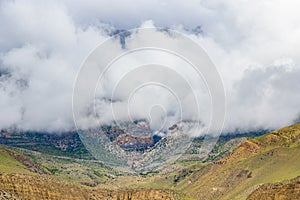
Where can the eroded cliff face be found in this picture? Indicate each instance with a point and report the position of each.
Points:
(286, 190)
(37, 187)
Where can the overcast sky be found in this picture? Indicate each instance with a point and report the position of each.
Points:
(254, 44)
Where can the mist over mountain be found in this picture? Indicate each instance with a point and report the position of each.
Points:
(42, 47)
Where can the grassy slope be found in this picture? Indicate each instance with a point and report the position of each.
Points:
(269, 158)
(8, 164)
(284, 190)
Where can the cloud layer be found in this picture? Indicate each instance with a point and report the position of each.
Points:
(254, 45)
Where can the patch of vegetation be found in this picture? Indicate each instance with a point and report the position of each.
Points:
(184, 173)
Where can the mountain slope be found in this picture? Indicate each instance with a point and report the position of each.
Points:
(278, 191)
(270, 158)
(10, 162)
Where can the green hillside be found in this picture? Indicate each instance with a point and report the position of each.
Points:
(270, 158)
(9, 164)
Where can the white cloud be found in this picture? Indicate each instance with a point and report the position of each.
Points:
(254, 45)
